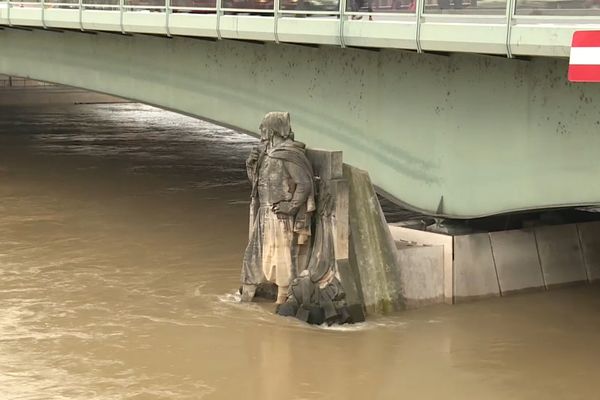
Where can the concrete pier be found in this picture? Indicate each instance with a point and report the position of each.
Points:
(474, 270)
(516, 261)
(589, 237)
(505, 262)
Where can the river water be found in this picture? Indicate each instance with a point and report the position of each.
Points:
(121, 233)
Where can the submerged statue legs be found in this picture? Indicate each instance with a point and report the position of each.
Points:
(282, 294)
(248, 292)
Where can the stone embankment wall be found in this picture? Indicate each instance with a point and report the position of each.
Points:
(27, 92)
(499, 263)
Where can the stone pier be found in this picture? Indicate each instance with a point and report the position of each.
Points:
(395, 267)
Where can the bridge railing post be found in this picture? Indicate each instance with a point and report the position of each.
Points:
(218, 19)
(167, 19)
(342, 20)
(276, 5)
(43, 5)
(80, 4)
(8, 6)
(510, 11)
(419, 6)
(121, 11)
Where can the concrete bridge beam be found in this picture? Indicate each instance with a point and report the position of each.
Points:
(458, 135)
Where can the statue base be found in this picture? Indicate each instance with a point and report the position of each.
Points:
(263, 292)
(317, 315)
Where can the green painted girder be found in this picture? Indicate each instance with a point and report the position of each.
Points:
(487, 134)
(503, 32)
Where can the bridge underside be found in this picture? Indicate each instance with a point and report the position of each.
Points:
(457, 135)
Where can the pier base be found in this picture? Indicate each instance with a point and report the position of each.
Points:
(501, 263)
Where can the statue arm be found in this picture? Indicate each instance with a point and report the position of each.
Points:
(252, 160)
(250, 171)
(303, 182)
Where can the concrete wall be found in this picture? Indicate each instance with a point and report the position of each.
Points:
(516, 260)
(560, 254)
(529, 259)
(422, 238)
(506, 262)
(589, 236)
(421, 275)
(474, 269)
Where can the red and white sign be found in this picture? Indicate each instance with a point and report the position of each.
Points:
(584, 64)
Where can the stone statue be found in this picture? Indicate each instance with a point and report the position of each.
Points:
(282, 249)
(282, 204)
(316, 296)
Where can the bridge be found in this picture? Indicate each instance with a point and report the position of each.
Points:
(455, 109)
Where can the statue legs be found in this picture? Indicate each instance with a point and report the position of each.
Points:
(282, 294)
(268, 257)
(248, 292)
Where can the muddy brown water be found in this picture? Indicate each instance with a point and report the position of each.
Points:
(121, 234)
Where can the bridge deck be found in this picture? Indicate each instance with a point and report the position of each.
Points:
(489, 28)
(456, 134)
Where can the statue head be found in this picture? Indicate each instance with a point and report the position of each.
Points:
(276, 124)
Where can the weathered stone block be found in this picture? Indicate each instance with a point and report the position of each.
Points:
(422, 275)
(353, 296)
(589, 236)
(339, 188)
(373, 252)
(516, 259)
(326, 164)
(474, 270)
(560, 254)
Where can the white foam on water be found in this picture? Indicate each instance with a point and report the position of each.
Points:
(254, 313)
(235, 202)
(389, 323)
(234, 297)
(21, 290)
(361, 326)
(212, 185)
(170, 321)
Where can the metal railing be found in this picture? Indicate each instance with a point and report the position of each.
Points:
(17, 82)
(497, 12)
(353, 9)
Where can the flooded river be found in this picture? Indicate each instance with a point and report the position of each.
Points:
(122, 229)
